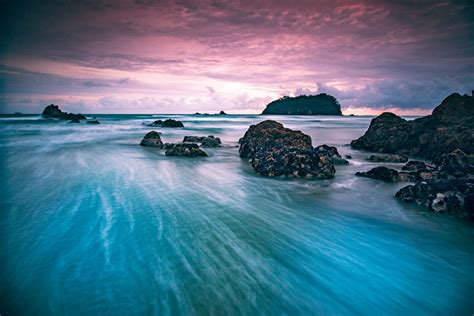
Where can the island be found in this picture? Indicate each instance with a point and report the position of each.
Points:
(321, 104)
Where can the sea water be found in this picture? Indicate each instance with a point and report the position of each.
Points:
(91, 223)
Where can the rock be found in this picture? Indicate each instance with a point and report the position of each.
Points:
(156, 123)
(333, 154)
(417, 166)
(348, 156)
(152, 139)
(380, 173)
(205, 141)
(75, 120)
(185, 150)
(451, 126)
(274, 150)
(53, 111)
(172, 123)
(222, 113)
(388, 158)
(457, 164)
(455, 196)
(93, 122)
(321, 104)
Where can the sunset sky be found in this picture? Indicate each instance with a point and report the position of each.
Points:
(187, 56)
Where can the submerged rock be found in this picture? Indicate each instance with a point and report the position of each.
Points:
(274, 150)
(93, 122)
(166, 123)
(451, 126)
(171, 123)
(205, 141)
(75, 120)
(156, 123)
(388, 158)
(152, 139)
(321, 104)
(185, 150)
(53, 111)
(380, 173)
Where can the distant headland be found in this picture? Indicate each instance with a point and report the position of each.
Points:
(321, 104)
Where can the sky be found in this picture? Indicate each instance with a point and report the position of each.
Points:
(148, 56)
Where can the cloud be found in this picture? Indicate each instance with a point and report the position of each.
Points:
(368, 54)
(95, 84)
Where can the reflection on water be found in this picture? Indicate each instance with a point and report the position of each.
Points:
(93, 223)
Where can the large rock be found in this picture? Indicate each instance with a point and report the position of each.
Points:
(185, 150)
(380, 173)
(205, 141)
(274, 150)
(53, 111)
(451, 126)
(321, 104)
(152, 139)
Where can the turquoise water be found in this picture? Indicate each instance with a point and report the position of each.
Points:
(92, 223)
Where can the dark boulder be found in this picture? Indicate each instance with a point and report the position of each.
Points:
(53, 111)
(152, 139)
(380, 173)
(388, 158)
(332, 153)
(274, 150)
(205, 141)
(171, 123)
(74, 120)
(222, 113)
(451, 126)
(184, 150)
(93, 122)
(156, 123)
(455, 164)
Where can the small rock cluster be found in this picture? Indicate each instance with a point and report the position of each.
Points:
(188, 148)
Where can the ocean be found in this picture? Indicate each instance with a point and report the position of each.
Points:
(91, 223)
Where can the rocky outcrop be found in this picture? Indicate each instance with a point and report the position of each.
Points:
(274, 150)
(152, 139)
(75, 120)
(448, 188)
(205, 141)
(184, 150)
(321, 104)
(53, 111)
(222, 113)
(388, 158)
(450, 127)
(167, 123)
(381, 173)
(455, 196)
